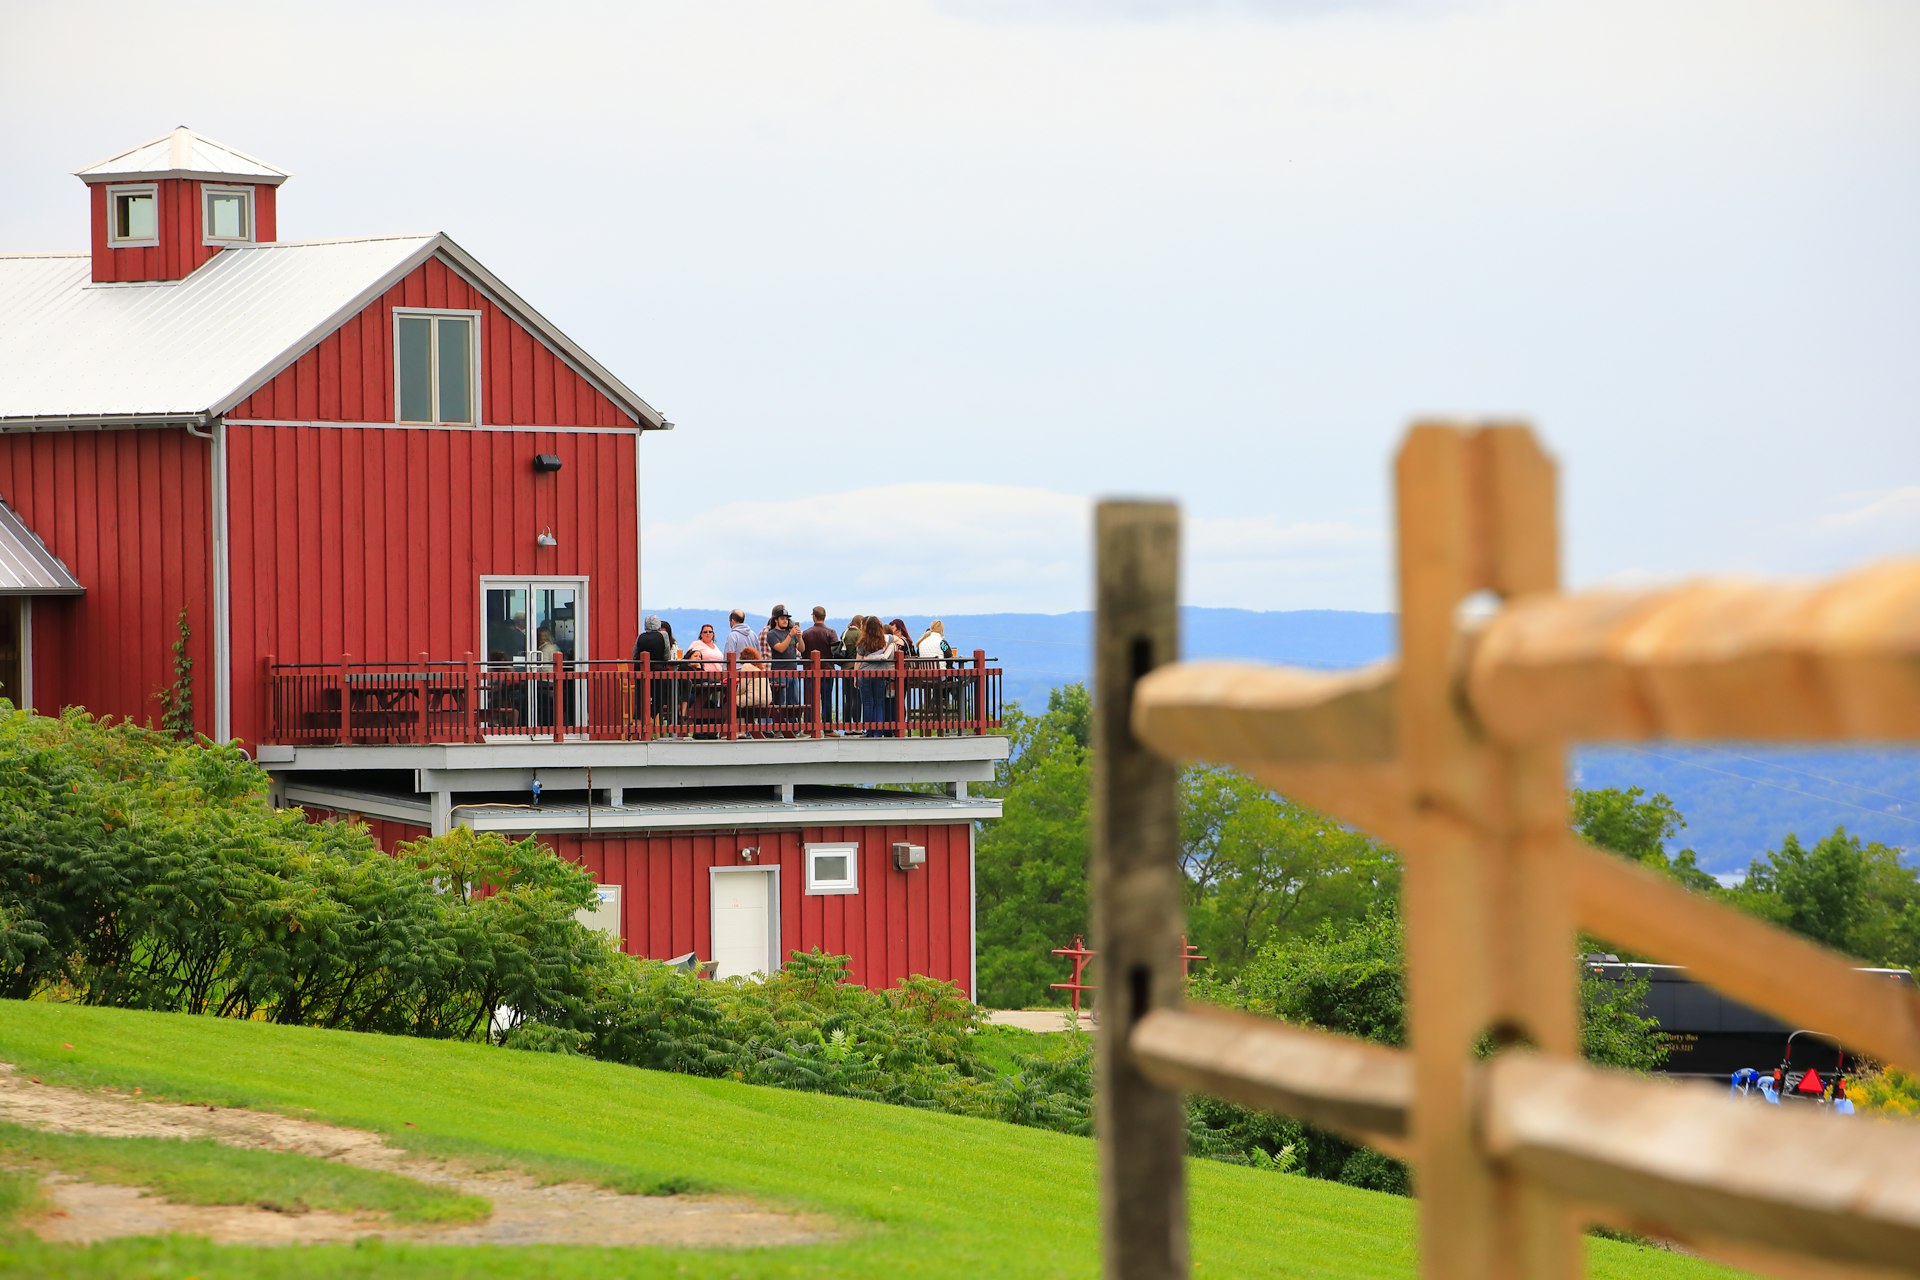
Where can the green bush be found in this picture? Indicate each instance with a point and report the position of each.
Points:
(139, 871)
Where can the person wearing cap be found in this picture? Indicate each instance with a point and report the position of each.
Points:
(781, 643)
(653, 643)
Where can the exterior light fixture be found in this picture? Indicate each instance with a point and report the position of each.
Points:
(546, 538)
(750, 854)
(546, 462)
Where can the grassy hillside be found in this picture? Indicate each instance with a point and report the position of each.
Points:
(918, 1194)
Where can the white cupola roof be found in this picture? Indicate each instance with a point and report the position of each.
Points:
(182, 154)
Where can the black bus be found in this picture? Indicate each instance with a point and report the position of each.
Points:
(1708, 1034)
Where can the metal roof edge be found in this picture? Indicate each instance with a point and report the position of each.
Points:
(577, 821)
(101, 422)
(197, 175)
(55, 578)
(619, 392)
(168, 136)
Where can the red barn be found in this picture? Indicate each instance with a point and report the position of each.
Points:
(390, 514)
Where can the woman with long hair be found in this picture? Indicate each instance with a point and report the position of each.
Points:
(933, 642)
(877, 648)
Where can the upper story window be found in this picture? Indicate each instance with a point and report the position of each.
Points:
(435, 354)
(133, 216)
(227, 215)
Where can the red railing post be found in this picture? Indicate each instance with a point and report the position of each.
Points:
(471, 700)
(733, 701)
(421, 728)
(900, 693)
(643, 702)
(980, 692)
(813, 685)
(277, 725)
(559, 665)
(346, 701)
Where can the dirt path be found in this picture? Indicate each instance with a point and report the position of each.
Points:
(524, 1212)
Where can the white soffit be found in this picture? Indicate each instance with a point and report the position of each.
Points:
(182, 153)
(27, 568)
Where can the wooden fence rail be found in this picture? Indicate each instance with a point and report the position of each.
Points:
(1455, 753)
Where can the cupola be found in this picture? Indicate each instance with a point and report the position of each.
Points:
(163, 208)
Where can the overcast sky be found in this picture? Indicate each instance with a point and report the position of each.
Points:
(918, 280)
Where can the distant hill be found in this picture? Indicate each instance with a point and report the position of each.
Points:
(1739, 800)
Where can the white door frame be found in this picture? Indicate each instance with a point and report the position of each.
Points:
(773, 907)
(582, 619)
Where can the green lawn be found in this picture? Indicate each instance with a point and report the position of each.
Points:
(918, 1194)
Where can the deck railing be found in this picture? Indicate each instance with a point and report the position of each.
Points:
(612, 700)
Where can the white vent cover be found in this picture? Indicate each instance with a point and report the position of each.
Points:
(908, 856)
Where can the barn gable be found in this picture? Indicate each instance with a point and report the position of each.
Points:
(525, 377)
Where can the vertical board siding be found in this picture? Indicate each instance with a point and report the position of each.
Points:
(388, 833)
(180, 251)
(353, 541)
(899, 923)
(129, 513)
(522, 382)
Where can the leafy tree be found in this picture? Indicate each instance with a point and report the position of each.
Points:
(1851, 896)
(1638, 828)
(1032, 863)
(1257, 864)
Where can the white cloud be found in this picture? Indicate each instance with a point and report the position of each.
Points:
(1879, 524)
(981, 548)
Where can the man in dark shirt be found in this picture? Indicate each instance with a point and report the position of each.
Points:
(780, 644)
(653, 643)
(819, 639)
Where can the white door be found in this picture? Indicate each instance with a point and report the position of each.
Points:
(744, 919)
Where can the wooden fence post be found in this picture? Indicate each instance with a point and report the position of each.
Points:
(1142, 1127)
(1489, 944)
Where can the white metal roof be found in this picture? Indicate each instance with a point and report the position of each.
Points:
(73, 352)
(27, 568)
(182, 153)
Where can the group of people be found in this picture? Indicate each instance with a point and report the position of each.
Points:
(868, 644)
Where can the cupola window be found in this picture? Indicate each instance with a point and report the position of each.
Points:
(227, 215)
(133, 216)
(433, 365)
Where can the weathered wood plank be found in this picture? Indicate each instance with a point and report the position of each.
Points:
(1362, 1090)
(1142, 1125)
(1245, 712)
(1687, 1162)
(1708, 660)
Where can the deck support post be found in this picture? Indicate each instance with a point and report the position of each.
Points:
(1137, 916)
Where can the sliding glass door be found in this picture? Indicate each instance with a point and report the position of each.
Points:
(524, 624)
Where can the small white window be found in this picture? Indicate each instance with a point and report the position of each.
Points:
(133, 216)
(226, 215)
(435, 354)
(833, 868)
